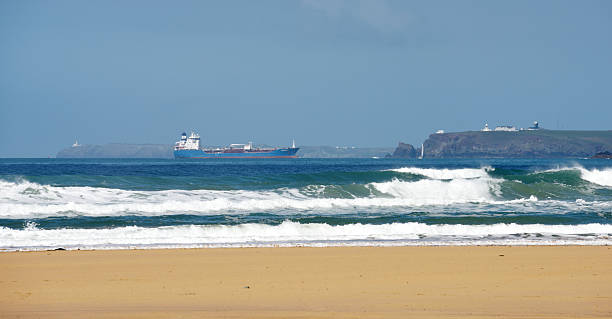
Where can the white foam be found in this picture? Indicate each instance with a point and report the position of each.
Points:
(436, 192)
(292, 234)
(31, 200)
(445, 173)
(601, 177)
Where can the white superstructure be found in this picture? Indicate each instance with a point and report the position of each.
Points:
(486, 128)
(246, 147)
(188, 143)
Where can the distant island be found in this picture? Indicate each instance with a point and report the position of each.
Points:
(343, 152)
(117, 150)
(509, 142)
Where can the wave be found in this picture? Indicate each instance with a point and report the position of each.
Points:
(251, 180)
(601, 177)
(293, 233)
(445, 173)
(23, 199)
(439, 187)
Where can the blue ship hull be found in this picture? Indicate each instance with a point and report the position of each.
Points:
(277, 153)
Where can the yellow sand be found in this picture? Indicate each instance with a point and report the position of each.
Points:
(341, 282)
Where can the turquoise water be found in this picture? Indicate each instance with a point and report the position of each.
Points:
(126, 203)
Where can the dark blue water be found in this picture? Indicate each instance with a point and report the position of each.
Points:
(81, 203)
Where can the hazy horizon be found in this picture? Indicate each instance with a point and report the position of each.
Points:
(347, 73)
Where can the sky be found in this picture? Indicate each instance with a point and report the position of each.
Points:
(322, 72)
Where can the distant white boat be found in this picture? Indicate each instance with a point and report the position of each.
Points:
(76, 144)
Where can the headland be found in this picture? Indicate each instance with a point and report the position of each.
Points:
(509, 142)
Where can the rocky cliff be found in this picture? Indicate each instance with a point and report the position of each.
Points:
(521, 144)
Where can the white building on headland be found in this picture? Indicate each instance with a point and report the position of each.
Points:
(502, 128)
(506, 128)
(510, 128)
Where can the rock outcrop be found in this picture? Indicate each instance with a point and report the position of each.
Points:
(404, 150)
(606, 155)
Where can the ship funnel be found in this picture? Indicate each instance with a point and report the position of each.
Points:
(293, 144)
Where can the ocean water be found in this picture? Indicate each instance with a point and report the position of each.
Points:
(126, 203)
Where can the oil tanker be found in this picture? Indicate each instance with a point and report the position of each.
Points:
(189, 147)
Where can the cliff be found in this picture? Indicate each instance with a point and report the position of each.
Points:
(521, 144)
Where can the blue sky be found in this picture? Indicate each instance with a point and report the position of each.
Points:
(362, 73)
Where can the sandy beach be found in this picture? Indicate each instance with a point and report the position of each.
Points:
(336, 282)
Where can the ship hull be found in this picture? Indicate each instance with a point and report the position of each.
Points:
(277, 153)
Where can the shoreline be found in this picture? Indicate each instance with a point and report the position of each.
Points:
(310, 282)
(276, 246)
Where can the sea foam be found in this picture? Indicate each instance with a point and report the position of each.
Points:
(601, 177)
(295, 234)
(445, 173)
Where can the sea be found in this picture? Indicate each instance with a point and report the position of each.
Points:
(165, 203)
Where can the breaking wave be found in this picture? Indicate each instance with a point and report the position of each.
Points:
(601, 177)
(26, 199)
(445, 173)
(437, 187)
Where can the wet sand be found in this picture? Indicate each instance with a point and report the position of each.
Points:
(337, 282)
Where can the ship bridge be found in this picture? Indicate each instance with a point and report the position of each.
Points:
(188, 143)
